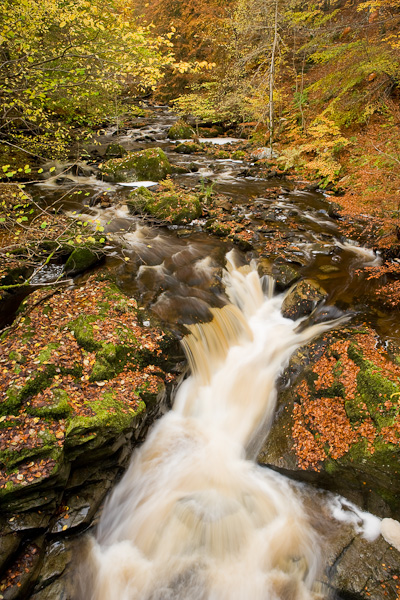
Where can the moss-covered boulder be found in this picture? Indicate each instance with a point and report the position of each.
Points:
(80, 260)
(171, 203)
(76, 375)
(181, 131)
(144, 165)
(186, 148)
(338, 422)
(115, 150)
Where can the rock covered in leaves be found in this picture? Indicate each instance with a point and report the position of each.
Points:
(151, 164)
(79, 368)
(170, 203)
(339, 425)
(302, 299)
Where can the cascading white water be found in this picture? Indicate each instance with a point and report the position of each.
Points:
(194, 517)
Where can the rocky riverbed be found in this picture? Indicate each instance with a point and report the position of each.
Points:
(87, 367)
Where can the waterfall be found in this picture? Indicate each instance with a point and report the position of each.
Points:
(194, 517)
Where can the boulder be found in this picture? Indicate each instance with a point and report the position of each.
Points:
(188, 148)
(80, 373)
(181, 131)
(80, 260)
(338, 420)
(171, 203)
(302, 298)
(144, 165)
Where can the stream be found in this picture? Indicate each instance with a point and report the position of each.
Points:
(194, 517)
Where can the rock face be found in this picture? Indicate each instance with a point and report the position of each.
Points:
(145, 165)
(339, 425)
(80, 373)
(170, 203)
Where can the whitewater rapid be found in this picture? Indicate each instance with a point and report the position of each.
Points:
(194, 517)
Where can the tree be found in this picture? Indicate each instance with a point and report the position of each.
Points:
(64, 61)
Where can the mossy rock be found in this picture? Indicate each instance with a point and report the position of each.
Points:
(211, 132)
(138, 200)
(80, 260)
(188, 148)
(239, 155)
(115, 151)
(144, 165)
(171, 204)
(110, 420)
(217, 228)
(181, 131)
(338, 421)
(58, 409)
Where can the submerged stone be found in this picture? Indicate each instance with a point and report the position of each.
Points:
(302, 299)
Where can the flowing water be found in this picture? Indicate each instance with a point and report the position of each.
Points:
(194, 517)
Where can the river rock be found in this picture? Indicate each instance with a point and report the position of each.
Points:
(80, 260)
(365, 570)
(186, 148)
(115, 151)
(170, 203)
(302, 298)
(144, 165)
(181, 131)
(262, 153)
(338, 420)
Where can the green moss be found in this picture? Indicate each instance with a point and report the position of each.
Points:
(12, 403)
(222, 154)
(217, 228)
(11, 458)
(59, 409)
(110, 360)
(45, 354)
(171, 204)
(111, 418)
(176, 209)
(80, 260)
(181, 131)
(151, 164)
(17, 356)
(188, 148)
(375, 390)
(138, 200)
(34, 384)
(82, 329)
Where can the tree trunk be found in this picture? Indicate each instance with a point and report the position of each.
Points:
(272, 80)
